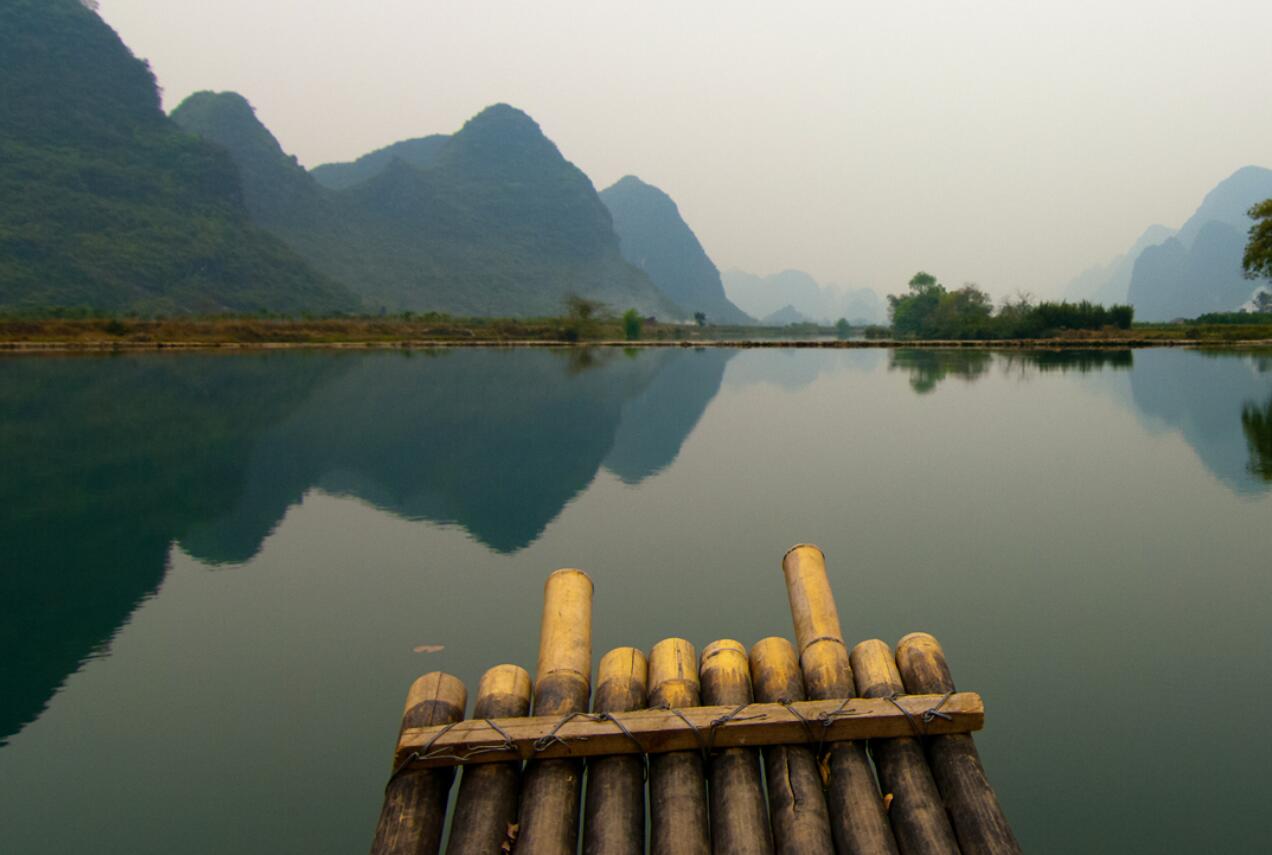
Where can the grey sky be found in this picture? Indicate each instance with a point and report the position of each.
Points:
(1008, 143)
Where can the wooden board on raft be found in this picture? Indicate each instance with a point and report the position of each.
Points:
(657, 731)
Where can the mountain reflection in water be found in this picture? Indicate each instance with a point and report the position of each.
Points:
(106, 463)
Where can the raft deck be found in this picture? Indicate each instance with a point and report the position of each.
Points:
(790, 749)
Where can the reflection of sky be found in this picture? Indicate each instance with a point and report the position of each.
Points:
(1025, 517)
(1202, 397)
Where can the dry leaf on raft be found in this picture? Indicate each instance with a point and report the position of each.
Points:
(430, 648)
(510, 837)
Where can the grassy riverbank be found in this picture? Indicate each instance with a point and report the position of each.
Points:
(24, 334)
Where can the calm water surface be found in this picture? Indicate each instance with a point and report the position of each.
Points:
(217, 568)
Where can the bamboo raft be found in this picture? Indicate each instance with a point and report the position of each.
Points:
(790, 749)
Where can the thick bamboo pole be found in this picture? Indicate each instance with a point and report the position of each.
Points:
(677, 787)
(857, 817)
(549, 822)
(614, 816)
(797, 805)
(739, 815)
(415, 800)
(917, 812)
(978, 819)
(487, 802)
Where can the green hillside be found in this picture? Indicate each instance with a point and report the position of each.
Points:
(105, 203)
(495, 223)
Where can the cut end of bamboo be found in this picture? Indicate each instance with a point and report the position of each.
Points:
(923, 665)
(565, 635)
(673, 673)
(622, 681)
(504, 690)
(623, 663)
(812, 603)
(775, 674)
(726, 673)
(874, 670)
(435, 698)
(810, 546)
(437, 686)
(568, 571)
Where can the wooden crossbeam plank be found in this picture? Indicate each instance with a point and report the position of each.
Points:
(657, 731)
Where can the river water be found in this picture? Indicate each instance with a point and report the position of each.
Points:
(217, 569)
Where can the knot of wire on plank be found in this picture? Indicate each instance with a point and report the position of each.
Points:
(825, 718)
(418, 754)
(925, 718)
(428, 752)
(543, 743)
(617, 722)
(703, 746)
(725, 719)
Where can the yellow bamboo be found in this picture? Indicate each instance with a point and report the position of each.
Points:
(487, 801)
(549, 823)
(414, 808)
(857, 817)
(677, 786)
(739, 815)
(614, 813)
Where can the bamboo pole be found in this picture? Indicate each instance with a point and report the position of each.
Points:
(797, 805)
(677, 787)
(978, 819)
(739, 815)
(614, 815)
(487, 801)
(917, 812)
(858, 822)
(549, 823)
(414, 810)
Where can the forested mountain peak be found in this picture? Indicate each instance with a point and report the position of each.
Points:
(108, 205)
(654, 237)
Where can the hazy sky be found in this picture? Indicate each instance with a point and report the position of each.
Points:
(1012, 144)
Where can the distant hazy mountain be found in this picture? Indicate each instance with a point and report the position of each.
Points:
(1108, 284)
(1174, 281)
(1229, 202)
(655, 238)
(1199, 270)
(498, 223)
(105, 203)
(762, 296)
(788, 314)
(420, 153)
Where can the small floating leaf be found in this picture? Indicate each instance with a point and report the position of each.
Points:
(430, 648)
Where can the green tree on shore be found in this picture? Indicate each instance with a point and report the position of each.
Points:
(631, 324)
(1258, 252)
(930, 311)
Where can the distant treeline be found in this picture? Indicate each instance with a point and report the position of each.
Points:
(930, 311)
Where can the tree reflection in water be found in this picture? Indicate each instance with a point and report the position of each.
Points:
(1256, 422)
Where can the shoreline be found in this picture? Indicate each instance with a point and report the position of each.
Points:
(1128, 343)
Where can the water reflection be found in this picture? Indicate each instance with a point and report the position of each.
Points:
(107, 462)
(927, 368)
(1205, 397)
(103, 462)
(1257, 424)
